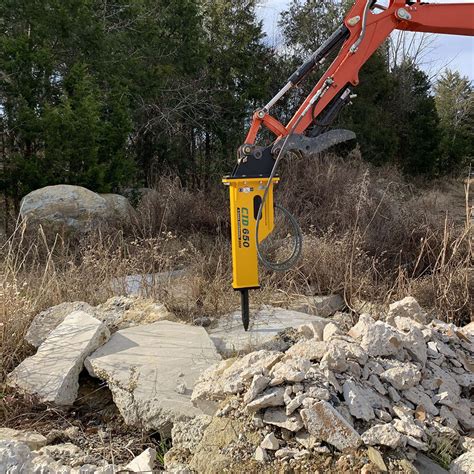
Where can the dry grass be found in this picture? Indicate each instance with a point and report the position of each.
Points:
(368, 235)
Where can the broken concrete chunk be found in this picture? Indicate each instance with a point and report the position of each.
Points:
(463, 464)
(272, 397)
(402, 377)
(260, 454)
(32, 439)
(419, 397)
(142, 366)
(311, 349)
(259, 383)
(145, 462)
(49, 319)
(270, 442)
(52, 374)
(278, 417)
(325, 423)
(357, 400)
(384, 435)
(408, 308)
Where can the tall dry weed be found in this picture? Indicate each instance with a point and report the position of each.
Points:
(369, 235)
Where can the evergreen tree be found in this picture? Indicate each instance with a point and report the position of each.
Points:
(305, 25)
(238, 73)
(56, 106)
(454, 97)
(417, 122)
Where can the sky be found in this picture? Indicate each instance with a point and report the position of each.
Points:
(456, 52)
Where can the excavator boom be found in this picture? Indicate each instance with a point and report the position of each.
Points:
(367, 25)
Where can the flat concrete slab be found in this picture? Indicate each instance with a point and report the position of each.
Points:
(151, 371)
(52, 374)
(266, 323)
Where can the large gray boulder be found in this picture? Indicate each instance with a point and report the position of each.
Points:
(119, 208)
(72, 208)
(52, 374)
(151, 371)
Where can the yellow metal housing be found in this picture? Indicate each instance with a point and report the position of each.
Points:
(245, 198)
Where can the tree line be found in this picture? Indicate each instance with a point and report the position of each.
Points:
(111, 93)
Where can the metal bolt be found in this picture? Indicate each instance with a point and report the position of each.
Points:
(261, 114)
(247, 150)
(403, 14)
(353, 21)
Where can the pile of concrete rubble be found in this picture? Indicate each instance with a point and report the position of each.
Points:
(298, 391)
(397, 385)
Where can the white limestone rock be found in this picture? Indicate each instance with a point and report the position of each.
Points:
(325, 423)
(188, 434)
(260, 454)
(357, 400)
(330, 330)
(306, 440)
(314, 329)
(273, 397)
(15, 457)
(259, 383)
(376, 337)
(287, 453)
(408, 308)
(311, 349)
(464, 464)
(292, 370)
(419, 397)
(143, 366)
(415, 345)
(402, 377)
(384, 435)
(228, 377)
(408, 428)
(278, 417)
(32, 439)
(52, 374)
(270, 442)
(145, 462)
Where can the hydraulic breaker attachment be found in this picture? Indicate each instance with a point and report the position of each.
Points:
(246, 196)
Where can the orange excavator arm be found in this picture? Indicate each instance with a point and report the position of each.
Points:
(366, 26)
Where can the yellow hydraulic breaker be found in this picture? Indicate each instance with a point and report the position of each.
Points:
(246, 196)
